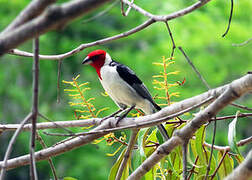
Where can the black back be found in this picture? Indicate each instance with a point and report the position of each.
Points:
(130, 77)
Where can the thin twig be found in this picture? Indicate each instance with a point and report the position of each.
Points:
(211, 154)
(194, 68)
(128, 10)
(216, 170)
(12, 141)
(204, 81)
(230, 18)
(192, 170)
(184, 153)
(243, 43)
(127, 153)
(55, 123)
(100, 13)
(241, 106)
(42, 142)
(58, 80)
(33, 171)
(122, 8)
(170, 34)
(227, 148)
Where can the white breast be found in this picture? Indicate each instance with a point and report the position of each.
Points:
(119, 90)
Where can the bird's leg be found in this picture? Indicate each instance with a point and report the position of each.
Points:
(113, 114)
(124, 114)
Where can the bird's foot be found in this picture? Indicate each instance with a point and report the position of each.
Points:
(112, 115)
(123, 115)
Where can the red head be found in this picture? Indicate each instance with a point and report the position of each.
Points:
(96, 59)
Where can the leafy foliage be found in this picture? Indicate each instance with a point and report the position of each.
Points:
(76, 93)
(149, 139)
(199, 34)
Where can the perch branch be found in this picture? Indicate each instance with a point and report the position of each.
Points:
(88, 122)
(240, 86)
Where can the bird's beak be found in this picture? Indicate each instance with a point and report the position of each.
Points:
(87, 60)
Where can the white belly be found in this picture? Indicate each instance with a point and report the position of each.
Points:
(120, 91)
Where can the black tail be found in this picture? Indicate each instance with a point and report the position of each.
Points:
(160, 127)
(163, 131)
(157, 107)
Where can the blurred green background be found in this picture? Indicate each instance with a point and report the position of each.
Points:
(199, 33)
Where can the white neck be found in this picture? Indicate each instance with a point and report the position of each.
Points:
(107, 59)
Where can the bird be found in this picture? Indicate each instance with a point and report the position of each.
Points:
(122, 85)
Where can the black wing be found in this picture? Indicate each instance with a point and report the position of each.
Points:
(130, 77)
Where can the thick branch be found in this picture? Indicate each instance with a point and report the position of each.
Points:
(87, 122)
(35, 8)
(243, 171)
(52, 18)
(234, 91)
(52, 125)
(152, 19)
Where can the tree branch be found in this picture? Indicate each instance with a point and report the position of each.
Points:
(33, 171)
(243, 171)
(243, 43)
(52, 18)
(52, 125)
(212, 147)
(41, 141)
(151, 20)
(239, 87)
(234, 91)
(87, 122)
(127, 153)
(35, 8)
(134, 123)
(227, 148)
(9, 148)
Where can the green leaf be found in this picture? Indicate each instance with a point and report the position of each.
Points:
(152, 137)
(232, 135)
(239, 158)
(226, 166)
(142, 135)
(160, 137)
(150, 174)
(125, 173)
(213, 162)
(69, 178)
(173, 163)
(115, 167)
(200, 137)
